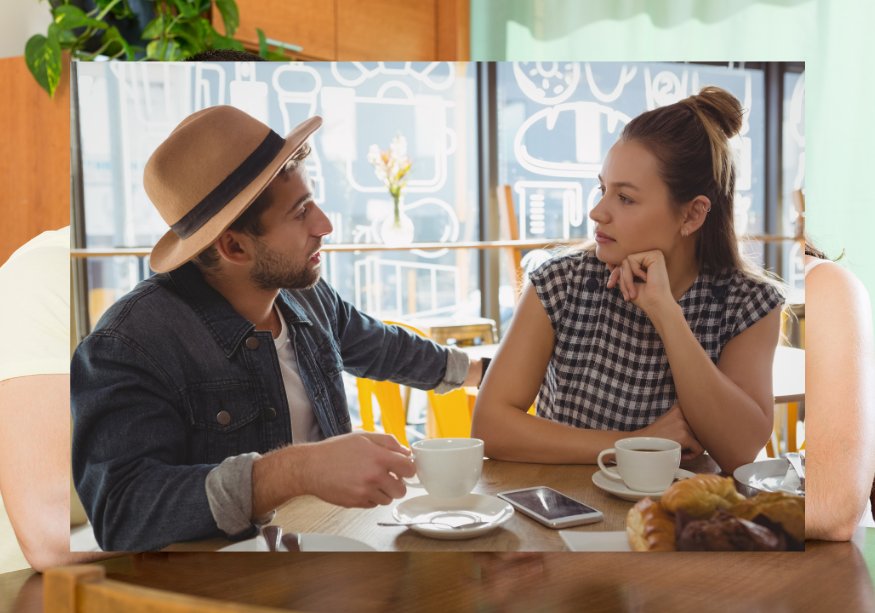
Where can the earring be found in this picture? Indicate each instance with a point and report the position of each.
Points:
(684, 232)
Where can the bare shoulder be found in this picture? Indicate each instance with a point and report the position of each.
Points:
(830, 285)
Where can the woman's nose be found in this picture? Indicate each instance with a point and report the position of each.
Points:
(597, 213)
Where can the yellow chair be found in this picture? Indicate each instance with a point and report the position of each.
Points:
(786, 418)
(448, 415)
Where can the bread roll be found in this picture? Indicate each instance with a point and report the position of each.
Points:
(779, 507)
(701, 496)
(649, 527)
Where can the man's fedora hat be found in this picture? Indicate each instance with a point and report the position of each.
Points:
(213, 165)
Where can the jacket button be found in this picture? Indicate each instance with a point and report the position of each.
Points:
(252, 343)
(270, 413)
(223, 418)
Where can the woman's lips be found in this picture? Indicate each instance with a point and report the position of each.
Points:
(603, 238)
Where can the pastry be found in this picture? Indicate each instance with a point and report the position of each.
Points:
(649, 527)
(779, 508)
(725, 532)
(701, 496)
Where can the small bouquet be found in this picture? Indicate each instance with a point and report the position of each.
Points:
(391, 167)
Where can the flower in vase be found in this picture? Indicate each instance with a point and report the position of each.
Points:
(391, 167)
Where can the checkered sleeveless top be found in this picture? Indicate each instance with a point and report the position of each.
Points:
(609, 370)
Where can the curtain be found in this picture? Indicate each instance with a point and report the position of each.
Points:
(832, 38)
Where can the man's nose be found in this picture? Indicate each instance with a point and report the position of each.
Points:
(322, 225)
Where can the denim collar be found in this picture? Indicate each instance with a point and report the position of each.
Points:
(227, 326)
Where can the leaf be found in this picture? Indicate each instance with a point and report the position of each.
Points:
(163, 51)
(154, 28)
(117, 44)
(230, 15)
(42, 54)
(68, 17)
(187, 9)
(277, 55)
(262, 43)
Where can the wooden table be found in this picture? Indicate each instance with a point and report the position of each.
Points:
(826, 577)
(310, 514)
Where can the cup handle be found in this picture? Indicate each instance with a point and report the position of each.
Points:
(413, 482)
(609, 471)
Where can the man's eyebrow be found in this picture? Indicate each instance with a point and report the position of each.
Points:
(621, 184)
(301, 201)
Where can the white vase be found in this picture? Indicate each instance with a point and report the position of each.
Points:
(397, 228)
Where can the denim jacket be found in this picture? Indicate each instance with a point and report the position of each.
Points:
(172, 381)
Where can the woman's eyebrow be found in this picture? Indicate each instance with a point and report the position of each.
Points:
(621, 184)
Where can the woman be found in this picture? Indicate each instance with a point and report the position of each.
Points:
(657, 330)
(839, 418)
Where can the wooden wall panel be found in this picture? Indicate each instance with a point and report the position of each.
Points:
(34, 156)
(453, 30)
(386, 30)
(307, 23)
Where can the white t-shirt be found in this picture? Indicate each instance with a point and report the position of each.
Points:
(35, 332)
(305, 428)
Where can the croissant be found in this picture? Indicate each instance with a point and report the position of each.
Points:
(649, 527)
(701, 496)
(778, 507)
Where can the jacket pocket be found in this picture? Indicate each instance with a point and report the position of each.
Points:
(225, 421)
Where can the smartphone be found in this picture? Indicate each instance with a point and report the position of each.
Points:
(551, 508)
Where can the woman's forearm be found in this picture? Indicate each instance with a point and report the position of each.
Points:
(511, 434)
(728, 422)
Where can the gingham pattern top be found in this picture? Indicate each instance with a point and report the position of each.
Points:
(609, 370)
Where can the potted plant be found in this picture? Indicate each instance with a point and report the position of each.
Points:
(166, 30)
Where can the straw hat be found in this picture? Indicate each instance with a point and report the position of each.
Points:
(208, 171)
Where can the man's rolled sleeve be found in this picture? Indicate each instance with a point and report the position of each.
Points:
(457, 369)
(229, 493)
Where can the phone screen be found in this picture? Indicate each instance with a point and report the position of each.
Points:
(548, 502)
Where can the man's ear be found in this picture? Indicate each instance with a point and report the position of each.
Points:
(695, 214)
(235, 247)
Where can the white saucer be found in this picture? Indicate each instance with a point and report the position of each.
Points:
(619, 489)
(446, 513)
(307, 542)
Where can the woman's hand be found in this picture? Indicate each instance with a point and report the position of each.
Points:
(643, 280)
(673, 425)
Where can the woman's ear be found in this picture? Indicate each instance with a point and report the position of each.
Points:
(695, 214)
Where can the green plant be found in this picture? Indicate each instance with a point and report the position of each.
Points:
(178, 29)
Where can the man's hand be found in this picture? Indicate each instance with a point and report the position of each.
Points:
(674, 426)
(362, 469)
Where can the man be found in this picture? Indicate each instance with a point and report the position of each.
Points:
(189, 391)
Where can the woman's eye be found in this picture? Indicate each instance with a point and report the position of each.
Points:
(624, 199)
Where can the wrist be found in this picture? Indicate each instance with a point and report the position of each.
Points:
(664, 316)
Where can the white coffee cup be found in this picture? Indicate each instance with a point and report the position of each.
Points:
(644, 463)
(448, 467)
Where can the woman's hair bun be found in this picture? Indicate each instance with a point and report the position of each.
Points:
(721, 107)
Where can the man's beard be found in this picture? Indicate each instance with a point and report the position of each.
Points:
(273, 270)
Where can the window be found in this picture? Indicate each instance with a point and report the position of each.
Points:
(127, 109)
